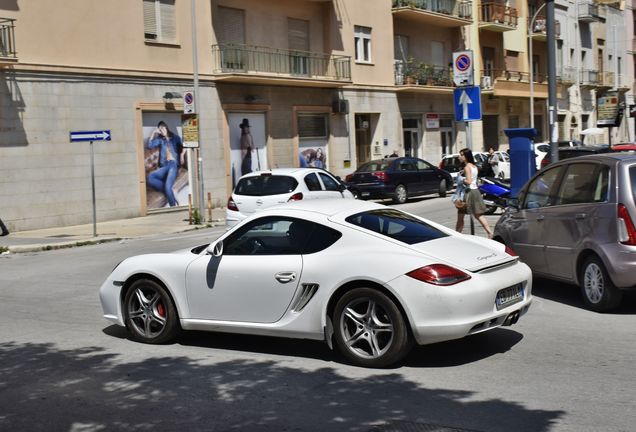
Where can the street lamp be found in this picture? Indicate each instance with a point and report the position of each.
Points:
(530, 31)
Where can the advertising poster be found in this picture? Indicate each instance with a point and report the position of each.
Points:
(165, 163)
(607, 109)
(248, 144)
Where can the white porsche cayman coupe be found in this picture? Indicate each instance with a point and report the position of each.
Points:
(369, 279)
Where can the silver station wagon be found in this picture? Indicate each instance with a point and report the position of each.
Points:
(575, 222)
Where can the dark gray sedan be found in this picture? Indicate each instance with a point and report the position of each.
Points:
(575, 222)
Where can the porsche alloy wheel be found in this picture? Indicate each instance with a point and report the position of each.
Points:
(150, 314)
(599, 293)
(370, 330)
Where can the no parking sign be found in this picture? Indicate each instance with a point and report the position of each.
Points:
(188, 102)
(463, 68)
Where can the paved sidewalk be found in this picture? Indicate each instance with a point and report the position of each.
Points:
(78, 235)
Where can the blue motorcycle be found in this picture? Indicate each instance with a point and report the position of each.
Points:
(495, 193)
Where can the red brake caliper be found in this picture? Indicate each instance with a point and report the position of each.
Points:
(161, 310)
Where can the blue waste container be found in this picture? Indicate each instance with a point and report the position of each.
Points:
(522, 158)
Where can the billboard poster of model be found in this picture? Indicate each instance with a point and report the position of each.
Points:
(248, 144)
(166, 169)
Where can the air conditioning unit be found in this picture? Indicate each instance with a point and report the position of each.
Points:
(486, 82)
(340, 106)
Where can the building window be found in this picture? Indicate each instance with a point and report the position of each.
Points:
(363, 44)
(159, 21)
(312, 126)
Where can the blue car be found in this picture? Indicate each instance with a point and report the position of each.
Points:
(398, 179)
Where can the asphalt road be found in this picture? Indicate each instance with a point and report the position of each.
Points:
(64, 368)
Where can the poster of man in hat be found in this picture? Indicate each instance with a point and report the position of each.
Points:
(248, 151)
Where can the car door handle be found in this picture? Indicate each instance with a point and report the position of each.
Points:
(285, 276)
(580, 216)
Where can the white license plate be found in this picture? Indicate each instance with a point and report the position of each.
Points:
(365, 193)
(509, 296)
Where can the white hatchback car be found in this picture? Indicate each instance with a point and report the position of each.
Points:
(502, 167)
(262, 189)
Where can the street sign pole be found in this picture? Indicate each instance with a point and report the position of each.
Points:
(90, 136)
(93, 190)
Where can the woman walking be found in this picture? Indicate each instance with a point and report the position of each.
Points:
(474, 202)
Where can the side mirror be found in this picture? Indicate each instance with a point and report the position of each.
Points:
(216, 248)
(513, 204)
(342, 187)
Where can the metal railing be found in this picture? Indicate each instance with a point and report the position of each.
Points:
(498, 14)
(589, 77)
(540, 26)
(567, 75)
(417, 73)
(455, 8)
(7, 37)
(235, 58)
(606, 79)
(589, 11)
(513, 75)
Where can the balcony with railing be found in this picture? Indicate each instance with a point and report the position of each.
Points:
(7, 40)
(567, 76)
(255, 64)
(512, 83)
(497, 17)
(589, 78)
(443, 13)
(606, 79)
(413, 74)
(539, 29)
(589, 11)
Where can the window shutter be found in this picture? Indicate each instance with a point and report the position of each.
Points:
(312, 126)
(298, 34)
(168, 21)
(150, 20)
(230, 24)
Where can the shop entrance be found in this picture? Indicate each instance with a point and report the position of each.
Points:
(490, 133)
(363, 138)
(411, 137)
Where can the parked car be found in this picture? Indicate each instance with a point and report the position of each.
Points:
(570, 152)
(540, 151)
(501, 169)
(398, 178)
(371, 279)
(262, 189)
(624, 147)
(452, 164)
(574, 222)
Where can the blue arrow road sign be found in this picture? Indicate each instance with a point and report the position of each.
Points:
(467, 103)
(102, 135)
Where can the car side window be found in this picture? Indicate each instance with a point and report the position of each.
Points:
(312, 182)
(407, 165)
(275, 235)
(423, 165)
(582, 183)
(539, 191)
(330, 183)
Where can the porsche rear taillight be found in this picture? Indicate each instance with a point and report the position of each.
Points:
(296, 197)
(381, 175)
(510, 252)
(439, 274)
(231, 205)
(626, 228)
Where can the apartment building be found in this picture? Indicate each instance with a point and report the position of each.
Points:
(282, 83)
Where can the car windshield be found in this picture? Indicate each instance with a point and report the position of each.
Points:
(397, 225)
(264, 185)
(374, 166)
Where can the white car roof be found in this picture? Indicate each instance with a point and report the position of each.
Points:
(284, 171)
(327, 207)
